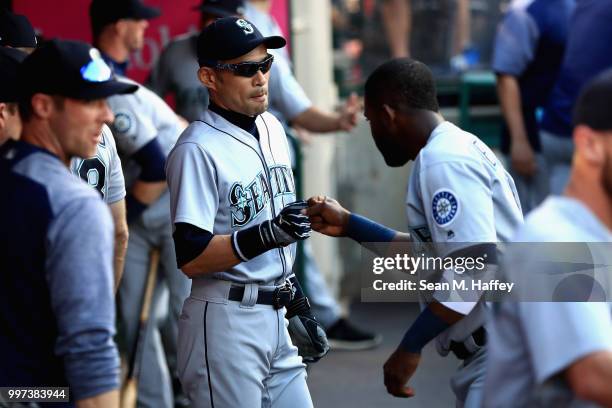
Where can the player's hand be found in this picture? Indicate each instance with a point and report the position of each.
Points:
(398, 369)
(327, 216)
(348, 113)
(291, 224)
(523, 158)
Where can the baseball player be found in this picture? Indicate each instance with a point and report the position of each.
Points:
(554, 353)
(10, 122)
(145, 129)
(288, 103)
(103, 172)
(458, 193)
(236, 220)
(55, 265)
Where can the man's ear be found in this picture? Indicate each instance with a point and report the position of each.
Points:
(208, 77)
(42, 105)
(3, 114)
(389, 114)
(588, 145)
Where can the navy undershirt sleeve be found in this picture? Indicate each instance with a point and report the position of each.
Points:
(152, 161)
(189, 242)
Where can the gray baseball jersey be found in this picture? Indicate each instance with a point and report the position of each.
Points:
(287, 99)
(222, 179)
(103, 171)
(531, 343)
(139, 118)
(460, 193)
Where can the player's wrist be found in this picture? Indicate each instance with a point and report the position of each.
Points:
(362, 229)
(424, 329)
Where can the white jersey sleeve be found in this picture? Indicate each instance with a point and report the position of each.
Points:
(458, 203)
(558, 333)
(116, 186)
(103, 171)
(192, 177)
(133, 126)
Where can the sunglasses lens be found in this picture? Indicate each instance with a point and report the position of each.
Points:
(248, 69)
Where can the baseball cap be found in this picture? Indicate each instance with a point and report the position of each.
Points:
(222, 8)
(593, 105)
(104, 12)
(10, 59)
(69, 68)
(231, 37)
(16, 30)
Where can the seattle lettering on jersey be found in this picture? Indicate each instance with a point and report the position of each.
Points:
(246, 203)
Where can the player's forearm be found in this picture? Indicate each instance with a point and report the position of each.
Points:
(318, 121)
(148, 192)
(510, 99)
(397, 18)
(217, 257)
(121, 239)
(590, 378)
(108, 399)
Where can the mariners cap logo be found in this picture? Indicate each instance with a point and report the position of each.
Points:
(96, 70)
(247, 28)
(445, 207)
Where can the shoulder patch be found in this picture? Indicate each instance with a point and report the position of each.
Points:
(123, 122)
(445, 207)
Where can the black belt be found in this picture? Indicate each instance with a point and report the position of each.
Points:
(459, 349)
(279, 298)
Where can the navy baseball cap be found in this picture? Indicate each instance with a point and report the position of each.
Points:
(16, 30)
(69, 68)
(593, 106)
(10, 59)
(104, 12)
(230, 37)
(222, 8)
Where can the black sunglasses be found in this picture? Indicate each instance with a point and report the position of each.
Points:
(249, 68)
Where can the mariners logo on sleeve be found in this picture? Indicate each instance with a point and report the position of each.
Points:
(445, 207)
(123, 122)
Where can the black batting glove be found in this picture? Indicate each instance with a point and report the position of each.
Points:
(289, 226)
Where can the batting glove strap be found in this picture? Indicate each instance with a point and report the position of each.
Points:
(286, 228)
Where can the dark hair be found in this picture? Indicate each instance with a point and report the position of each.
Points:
(403, 82)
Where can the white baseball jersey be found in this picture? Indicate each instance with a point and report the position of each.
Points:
(531, 343)
(459, 192)
(139, 118)
(103, 171)
(222, 179)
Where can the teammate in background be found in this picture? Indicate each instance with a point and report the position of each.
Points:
(458, 193)
(527, 56)
(397, 21)
(560, 354)
(289, 104)
(235, 223)
(103, 172)
(583, 60)
(145, 129)
(16, 32)
(59, 321)
(17, 39)
(10, 122)
(286, 95)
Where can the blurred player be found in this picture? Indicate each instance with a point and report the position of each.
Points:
(527, 57)
(145, 129)
(10, 122)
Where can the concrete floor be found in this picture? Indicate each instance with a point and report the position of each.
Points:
(354, 379)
